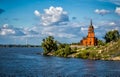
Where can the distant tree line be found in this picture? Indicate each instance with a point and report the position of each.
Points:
(11, 45)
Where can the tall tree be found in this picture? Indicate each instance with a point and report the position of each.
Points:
(49, 44)
(111, 36)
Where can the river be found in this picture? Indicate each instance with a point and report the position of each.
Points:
(25, 62)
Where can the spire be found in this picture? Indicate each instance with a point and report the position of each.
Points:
(91, 22)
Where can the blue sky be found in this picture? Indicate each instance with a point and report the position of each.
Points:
(66, 20)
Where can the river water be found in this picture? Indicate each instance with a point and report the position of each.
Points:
(25, 62)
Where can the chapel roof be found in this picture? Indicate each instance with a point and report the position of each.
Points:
(91, 26)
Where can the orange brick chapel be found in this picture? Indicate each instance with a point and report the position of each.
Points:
(90, 40)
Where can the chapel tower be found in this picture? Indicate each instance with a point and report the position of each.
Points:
(90, 40)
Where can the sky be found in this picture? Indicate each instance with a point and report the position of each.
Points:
(30, 21)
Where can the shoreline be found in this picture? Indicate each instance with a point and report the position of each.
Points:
(109, 51)
(107, 59)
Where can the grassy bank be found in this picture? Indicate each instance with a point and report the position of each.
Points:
(109, 51)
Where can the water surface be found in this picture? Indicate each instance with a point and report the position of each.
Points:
(25, 62)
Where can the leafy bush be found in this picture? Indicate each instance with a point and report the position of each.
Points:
(82, 54)
(49, 45)
(100, 42)
(59, 49)
(64, 52)
(112, 36)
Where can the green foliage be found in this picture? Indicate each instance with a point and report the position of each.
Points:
(83, 54)
(49, 45)
(59, 49)
(112, 36)
(74, 50)
(89, 53)
(63, 51)
(78, 43)
(100, 42)
(94, 55)
(61, 45)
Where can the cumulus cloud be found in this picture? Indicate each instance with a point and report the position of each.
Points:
(37, 13)
(37, 31)
(5, 30)
(53, 16)
(8, 30)
(117, 10)
(61, 32)
(101, 11)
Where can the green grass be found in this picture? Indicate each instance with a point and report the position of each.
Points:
(108, 50)
(105, 52)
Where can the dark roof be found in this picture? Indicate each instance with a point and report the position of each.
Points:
(91, 26)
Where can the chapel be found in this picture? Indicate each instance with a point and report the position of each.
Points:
(90, 39)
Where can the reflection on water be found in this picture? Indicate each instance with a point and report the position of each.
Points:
(25, 62)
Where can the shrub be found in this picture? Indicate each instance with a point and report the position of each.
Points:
(64, 52)
(49, 45)
(112, 36)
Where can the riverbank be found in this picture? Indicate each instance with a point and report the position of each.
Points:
(110, 51)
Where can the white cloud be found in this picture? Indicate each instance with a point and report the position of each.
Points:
(117, 10)
(82, 28)
(102, 11)
(53, 16)
(112, 23)
(5, 26)
(8, 30)
(107, 23)
(65, 35)
(58, 31)
(37, 13)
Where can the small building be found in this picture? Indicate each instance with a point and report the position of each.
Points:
(90, 40)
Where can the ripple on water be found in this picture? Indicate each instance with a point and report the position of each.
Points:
(24, 62)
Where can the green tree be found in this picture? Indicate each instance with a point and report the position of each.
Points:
(100, 42)
(49, 45)
(111, 36)
(61, 45)
(64, 50)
